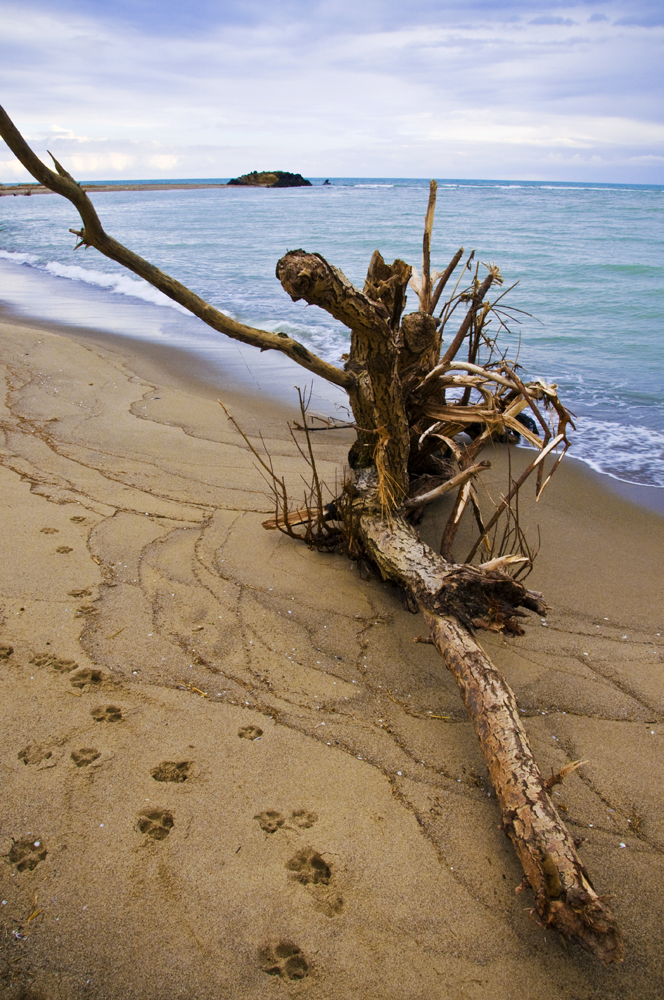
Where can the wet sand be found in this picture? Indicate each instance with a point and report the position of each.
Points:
(194, 807)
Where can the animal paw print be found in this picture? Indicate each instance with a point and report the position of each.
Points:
(85, 756)
(331, 903)
(156, 823)
(303, 818)
(77, 519)
(86, 677)
(50, 660)
(270, 820)
(170, 770)
(86, 609)
(34, 754)
(80, 593)
(309, 867)
(284, 959)
(27, 854)
(5, 651)
(111, 713)
(64, 549)
(250, 732)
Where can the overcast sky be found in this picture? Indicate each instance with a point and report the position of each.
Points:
(370, 88)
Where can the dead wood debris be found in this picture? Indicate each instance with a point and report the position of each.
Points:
(428, 390)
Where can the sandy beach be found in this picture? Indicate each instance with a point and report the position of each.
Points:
(194, 807)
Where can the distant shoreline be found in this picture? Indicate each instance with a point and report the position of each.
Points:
(30, 189)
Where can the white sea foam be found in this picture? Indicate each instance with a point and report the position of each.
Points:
(18, 258)
(119, 284)
(629, 453)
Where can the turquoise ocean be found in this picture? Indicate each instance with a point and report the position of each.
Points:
(588, 258)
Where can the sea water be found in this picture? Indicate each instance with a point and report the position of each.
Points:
(588, 259)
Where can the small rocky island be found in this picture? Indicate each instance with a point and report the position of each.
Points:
(270, 179)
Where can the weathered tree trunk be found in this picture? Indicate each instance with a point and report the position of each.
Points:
(376, 396)
(397, 384)
(564, 896)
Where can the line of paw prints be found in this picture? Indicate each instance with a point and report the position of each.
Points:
(81, 678)
(285, 958)
(64, 549)
(156, 823)
(307, 866)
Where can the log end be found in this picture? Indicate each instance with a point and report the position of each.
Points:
(587, 920)
(487, 599)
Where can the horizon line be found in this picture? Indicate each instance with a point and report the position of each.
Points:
(353, 177)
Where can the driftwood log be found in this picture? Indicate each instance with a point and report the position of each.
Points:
(412, 392)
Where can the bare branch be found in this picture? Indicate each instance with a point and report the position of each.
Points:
(93, 234)
(459, 480)
(451, 351)
(426, 249)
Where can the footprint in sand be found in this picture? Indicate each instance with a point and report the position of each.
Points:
(85, 756)
(309, 867)
(5, 651)
(27, 854)
(250, 732)
(170, 770)
(64, 549)
(86, 609)
(270, 820)
(50, 660)
(86, 678)
(110, 713)
(331, 904)
(77, 519)
(79, 593)
(34, 754)
(284, 959)
(156, 823)
(303, 818)
(49, 531)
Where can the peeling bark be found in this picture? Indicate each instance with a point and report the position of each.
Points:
(564, 895)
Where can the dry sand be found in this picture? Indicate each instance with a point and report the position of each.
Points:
(326, 829)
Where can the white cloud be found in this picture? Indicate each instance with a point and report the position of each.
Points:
(11, 170)
(371, 99)
(163, 162)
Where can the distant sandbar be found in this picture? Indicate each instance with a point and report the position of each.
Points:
(29, 189)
